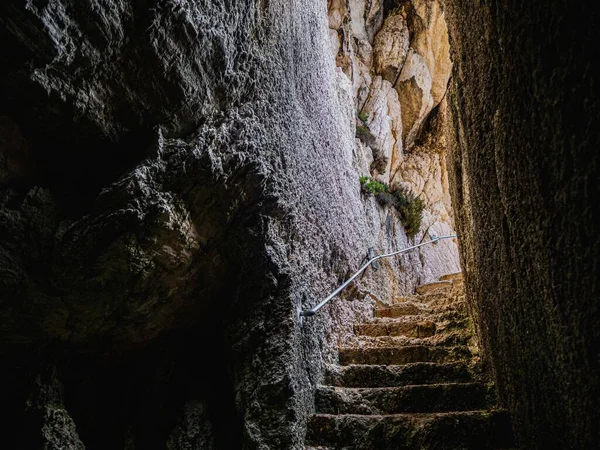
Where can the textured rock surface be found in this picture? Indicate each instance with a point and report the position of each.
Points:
(524, 138)
(45, 407)
(424, 77)
(177, 179)
(373, 61)
(194, 431)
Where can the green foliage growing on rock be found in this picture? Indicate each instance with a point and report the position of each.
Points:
(372, 186)
(361, 130)
(364, 134)
(410, 207)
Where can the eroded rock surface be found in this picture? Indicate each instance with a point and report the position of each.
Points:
(177, 179)
(394, 148)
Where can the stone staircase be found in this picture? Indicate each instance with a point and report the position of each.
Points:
(410, 380)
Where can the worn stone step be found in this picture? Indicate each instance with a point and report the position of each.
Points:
(435, 286)
(402, 355)
(434, 316)
(366, 375)
(401, 309)
(439, 305)
(452, 276)
(445, 337)
(467, 430)
(412, 326)
(439, 295)
(403, 399)
(420, 328)
(409, 308)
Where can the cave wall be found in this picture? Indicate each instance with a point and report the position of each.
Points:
(524, 159)
(177, 179)
(176, 183)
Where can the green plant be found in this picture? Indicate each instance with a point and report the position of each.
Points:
(363, 116)
(360, 130)
(410, 208)
(372, 186)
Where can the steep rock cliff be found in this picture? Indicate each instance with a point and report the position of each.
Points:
(396, 57)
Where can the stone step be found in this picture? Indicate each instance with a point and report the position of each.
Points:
(402, 355)
(411, 308)
(404, 399)
(401, 309)
(432, 305)
(443, 295)
(435, 286)
(445, 337)
(467, 430)
(413, 326)
(420, 328)
(366, 375)
(452, 277)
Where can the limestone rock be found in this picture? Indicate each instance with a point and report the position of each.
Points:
(196, 167)
(391, 48)
(524, 170)
(382, 110)
(365, 18)
(412, 39)
(424, 77)
(414, 90)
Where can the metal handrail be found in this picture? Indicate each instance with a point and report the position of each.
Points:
(311, 312)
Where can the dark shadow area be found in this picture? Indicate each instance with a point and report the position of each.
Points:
(137, 397)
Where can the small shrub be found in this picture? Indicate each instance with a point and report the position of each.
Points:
(362, 130)
(372, 186)
(363, 117)
(410, 208)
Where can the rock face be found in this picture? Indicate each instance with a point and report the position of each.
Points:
(401, 128)
(424, 77)
(177, 179)
(58, 430)
(523, 134)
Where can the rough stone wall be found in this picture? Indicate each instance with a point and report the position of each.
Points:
(177, 178)
(524, 172)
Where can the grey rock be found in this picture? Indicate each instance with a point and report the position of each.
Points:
(45, 408)
(194, 430)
